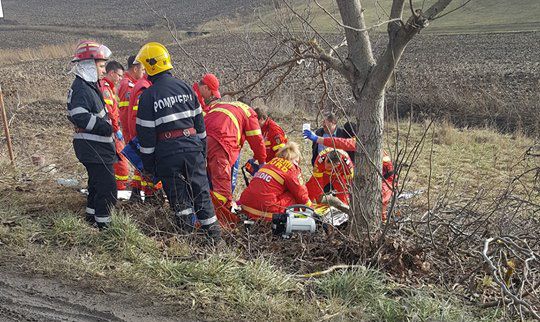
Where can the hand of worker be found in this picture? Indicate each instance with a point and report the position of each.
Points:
(310, 135)
(119, 135)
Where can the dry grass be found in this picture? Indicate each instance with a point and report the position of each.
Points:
(46, 52)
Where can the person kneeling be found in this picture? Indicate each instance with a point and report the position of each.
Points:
(277, 185)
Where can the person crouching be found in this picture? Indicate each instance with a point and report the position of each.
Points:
(277, 185)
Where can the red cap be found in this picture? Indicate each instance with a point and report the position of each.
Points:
(212, 82)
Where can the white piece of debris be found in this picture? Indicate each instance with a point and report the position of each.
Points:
(1, 11)
(410, 194)
(122, 194)
(70, 183)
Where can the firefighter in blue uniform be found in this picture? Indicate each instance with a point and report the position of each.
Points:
(172, 137)
(93, 141)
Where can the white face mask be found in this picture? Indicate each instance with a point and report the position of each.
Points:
(86, 69)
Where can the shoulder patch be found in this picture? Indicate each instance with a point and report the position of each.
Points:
(106, 84)
(130, 84)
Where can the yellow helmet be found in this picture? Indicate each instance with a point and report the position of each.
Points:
(155, 58)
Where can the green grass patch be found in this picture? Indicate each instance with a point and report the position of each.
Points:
(478, 16)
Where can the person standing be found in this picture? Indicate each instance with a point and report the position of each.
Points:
(114, 74)
(328, 130)
(93, 138)
(172, 136)
(207, 90)
(131, 76)
(229, 125)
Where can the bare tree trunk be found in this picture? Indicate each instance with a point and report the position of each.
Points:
(367, 204)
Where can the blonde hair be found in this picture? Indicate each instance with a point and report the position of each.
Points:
(290, 151)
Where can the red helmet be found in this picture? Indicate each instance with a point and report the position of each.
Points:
(91, 50)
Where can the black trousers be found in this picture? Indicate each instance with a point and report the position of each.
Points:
(185, 182)
(101, 191)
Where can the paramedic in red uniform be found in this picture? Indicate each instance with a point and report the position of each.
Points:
(131, 76)
(273, 134)
(228, 126)
(114, 74)
(207, 90)
(139, 182)
(333, 171)
(388, 173)
(277, 185)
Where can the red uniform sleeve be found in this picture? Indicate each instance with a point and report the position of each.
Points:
(340, 143)
(110, 104)
(298, 190)
(132, 114)
(254, 137)
(277, 137)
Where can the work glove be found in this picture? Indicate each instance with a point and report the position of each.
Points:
(252, 167)
(119, 135)
(310, 135)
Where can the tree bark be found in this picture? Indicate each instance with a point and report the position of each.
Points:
(367, 195)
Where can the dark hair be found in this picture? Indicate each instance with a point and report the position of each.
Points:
(131, 61)
(333, 157)
(113, 65)
(262, 114)
(350, 129)
(331, 117)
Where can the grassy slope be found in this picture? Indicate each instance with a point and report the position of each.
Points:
(476, 16)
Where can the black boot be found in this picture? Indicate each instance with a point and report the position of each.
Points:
(213, 234)
(135, 196)
(184, 221)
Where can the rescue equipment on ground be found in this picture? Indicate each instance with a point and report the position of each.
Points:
(297, 218)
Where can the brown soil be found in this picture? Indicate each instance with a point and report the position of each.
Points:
(26, 297)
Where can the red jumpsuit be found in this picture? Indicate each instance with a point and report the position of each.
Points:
(274, 138)
(339, 178)
(121, 168)
(124, 91)
(139, 181)
(277, 185)
(228, 126)
(387, 171)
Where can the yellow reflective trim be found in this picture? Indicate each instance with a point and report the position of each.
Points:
(257, 212)
(233, 119)
(136, 107)
(241, 105)
(123, 103)
(220, 197)
(274, 175)
(317, 174)
(267, 143)
(253, 132)
(137, 178)
(108, 102)
(277, 147)
(121, 178)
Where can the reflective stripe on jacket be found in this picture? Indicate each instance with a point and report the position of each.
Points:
(92, 140)
(273, 179)
(232, 123)
(274, 138)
